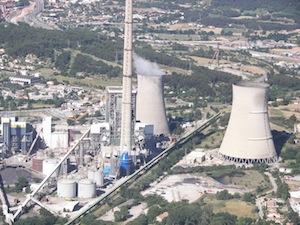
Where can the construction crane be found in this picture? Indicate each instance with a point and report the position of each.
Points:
(78, 118)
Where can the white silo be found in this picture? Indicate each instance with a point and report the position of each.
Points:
(150, 104)
(48, 167)
(86, 189)
(248, 137)
(97, 176)
(59, 140)
(66, 188)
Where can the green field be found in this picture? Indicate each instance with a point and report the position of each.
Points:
(233, 206)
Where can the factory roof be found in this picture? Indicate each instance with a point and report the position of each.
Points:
(116, 89)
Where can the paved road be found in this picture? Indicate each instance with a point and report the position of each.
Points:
(258, 202)
(31, 18)
(273, 182)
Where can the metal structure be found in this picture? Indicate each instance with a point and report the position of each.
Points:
(17, 136)
(126, 121)
(150, 107)
(114, 112)
(248, 137)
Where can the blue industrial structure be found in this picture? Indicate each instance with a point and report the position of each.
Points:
(125, 164)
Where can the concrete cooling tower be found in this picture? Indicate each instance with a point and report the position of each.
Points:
(150, 105)
(248, 137)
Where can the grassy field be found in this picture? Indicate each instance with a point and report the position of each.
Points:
(254, 69)
(251, 179)
(285, 111)
(96, 81)
(213, 141)
(233, 206)
(100, 80)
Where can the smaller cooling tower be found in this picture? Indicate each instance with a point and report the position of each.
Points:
(150, 105)
(248, 137)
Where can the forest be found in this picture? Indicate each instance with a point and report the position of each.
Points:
(21, 40)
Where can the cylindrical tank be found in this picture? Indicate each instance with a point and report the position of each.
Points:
(48, 167)
(248, 137)
(150, 104)
(125, 164)
(86, 189)
(37, 164)
(97, 176)
(66, 188)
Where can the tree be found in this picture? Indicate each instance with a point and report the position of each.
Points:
(224, 219)
(21, 183)
(122, 214)
(12, 106)
(223, 195)
(153, 212)
(141, 220)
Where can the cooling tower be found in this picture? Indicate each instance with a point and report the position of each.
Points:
(150, 105)
(248, 137)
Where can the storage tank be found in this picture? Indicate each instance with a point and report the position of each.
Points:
(248, 137)
(48, 167)
(150, 104)
(125, 164)
(86, 189)
(37, 164)
(97, 176)
(66, 188)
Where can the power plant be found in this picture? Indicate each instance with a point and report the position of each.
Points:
(150, 104)
(248, 137)
(81, 168)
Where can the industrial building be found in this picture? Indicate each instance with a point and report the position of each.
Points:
(16, 136)
(113, 115)
(248, 137)
(150, 107)
(55, 138)
(24, 80)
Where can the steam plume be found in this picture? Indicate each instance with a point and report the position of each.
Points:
(146, 67)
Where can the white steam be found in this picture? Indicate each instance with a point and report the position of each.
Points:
(146, 67)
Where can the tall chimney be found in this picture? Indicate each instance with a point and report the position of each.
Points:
(126, 121)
